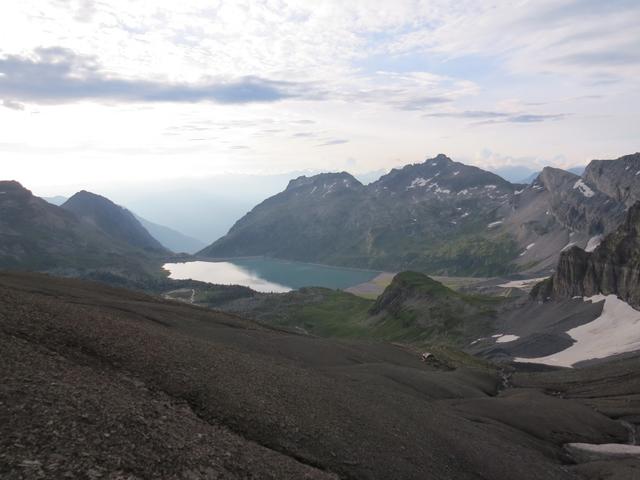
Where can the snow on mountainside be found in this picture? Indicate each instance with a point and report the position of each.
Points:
(615, 331)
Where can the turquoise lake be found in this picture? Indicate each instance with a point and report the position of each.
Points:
(269, 275)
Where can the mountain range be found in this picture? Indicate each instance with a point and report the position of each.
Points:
(439, 217)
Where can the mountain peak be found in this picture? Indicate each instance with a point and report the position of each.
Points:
(112, 219)
(333, 180)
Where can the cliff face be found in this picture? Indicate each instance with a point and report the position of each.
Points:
(612, 268)
(619, 179)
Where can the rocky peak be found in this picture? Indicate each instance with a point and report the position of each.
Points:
(440, 177)
(324, 183)
(577, 204)
(619, 179)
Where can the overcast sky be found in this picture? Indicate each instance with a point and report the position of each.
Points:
(110, 90)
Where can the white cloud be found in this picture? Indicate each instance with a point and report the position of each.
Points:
(385, 83)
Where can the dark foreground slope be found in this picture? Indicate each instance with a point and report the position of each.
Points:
(104, 383)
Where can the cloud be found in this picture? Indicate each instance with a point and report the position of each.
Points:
(12, 105)
(467, 114)
(497, 117)
(336, 141)
(57, 75)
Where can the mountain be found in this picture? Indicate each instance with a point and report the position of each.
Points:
(114, 220)
(515, 173)
(36, 235)
(171, 239)
(619, 179)
(439, 217)
(613, 267)
(218, 396)
(557, 210)
(434, 216)
(168, 237)
(57, 200)
(587, 311)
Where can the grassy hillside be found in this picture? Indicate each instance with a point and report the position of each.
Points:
(414, 309)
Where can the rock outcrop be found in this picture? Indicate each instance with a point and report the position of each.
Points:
(612, 268)
(619, 179)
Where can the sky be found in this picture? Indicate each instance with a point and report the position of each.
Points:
(131, 91)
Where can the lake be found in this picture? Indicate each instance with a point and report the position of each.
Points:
(269, 275)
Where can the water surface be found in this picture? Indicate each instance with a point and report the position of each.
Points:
(269, 275)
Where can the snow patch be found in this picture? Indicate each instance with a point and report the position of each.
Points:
(584, 188)
(518, 192)
(494, 224)
(568, 246)
(456, 173)
(527, 248)
(502, 338)
(593, 243)
(526, 284)
(615, 331)
(419, 182)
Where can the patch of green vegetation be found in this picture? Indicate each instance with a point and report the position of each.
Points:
(414, 309)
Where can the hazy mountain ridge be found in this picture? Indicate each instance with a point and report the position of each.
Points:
(114, 220)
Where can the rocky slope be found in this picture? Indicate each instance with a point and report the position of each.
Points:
(114, 220)
(618, 179)
(36, 235)
(612, 268)
(88, 370)
(588, 311)
(556, 211)
(440, 217)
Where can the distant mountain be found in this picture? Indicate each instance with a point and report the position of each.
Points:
(431, 216)
(171, 239)
(114, 220)
(57, 200)
(514, 173)
(35, 235)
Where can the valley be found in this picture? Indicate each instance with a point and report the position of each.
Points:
(284, 354)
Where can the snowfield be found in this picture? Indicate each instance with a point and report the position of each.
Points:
(584, 188)
(615, 331)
